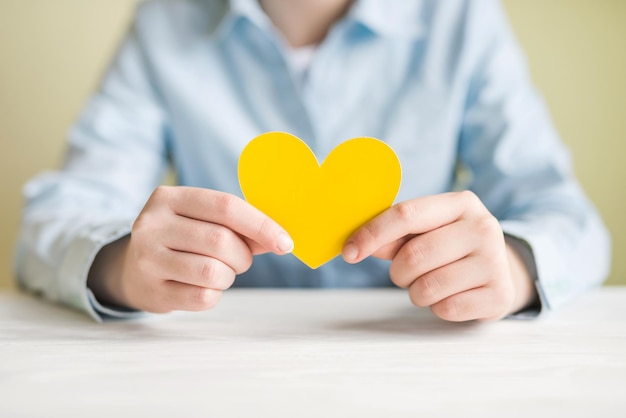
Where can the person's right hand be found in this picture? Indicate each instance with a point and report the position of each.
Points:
(186, 247)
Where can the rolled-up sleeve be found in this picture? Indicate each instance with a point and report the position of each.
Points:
(521, 169)
(116, 156)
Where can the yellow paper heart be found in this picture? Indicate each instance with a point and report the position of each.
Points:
(319, 206)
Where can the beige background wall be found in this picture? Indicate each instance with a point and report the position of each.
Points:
(53, 52)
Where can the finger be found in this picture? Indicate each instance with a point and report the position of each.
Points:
(446, 281)
(194, 269)
(389, 251)
(254, 246)
(185, 297)
(481, 303)
(411, 217)
(432, 250)
(232, 212)
(208, 239)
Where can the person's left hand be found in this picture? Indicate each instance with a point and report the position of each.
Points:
(450, 252)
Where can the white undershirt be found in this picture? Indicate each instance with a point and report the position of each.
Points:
(300, 60)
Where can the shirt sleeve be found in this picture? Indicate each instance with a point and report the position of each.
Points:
(520, 168)
(116, 156)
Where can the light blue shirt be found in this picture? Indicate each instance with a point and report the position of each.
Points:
(443, 82)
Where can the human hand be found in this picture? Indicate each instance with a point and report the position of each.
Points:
(450, 252)
(186, 247)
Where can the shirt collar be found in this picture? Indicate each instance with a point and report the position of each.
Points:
(250, 9)
(238, 10)
(389, 18)
(383, 18)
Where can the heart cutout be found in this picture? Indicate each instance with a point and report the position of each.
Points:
(320, 206)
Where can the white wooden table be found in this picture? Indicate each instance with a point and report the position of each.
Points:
(313, 353)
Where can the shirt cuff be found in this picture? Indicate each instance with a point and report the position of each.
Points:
(525, 252)
(109, 312)
(75, 268)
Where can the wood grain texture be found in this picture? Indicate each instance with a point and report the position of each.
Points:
(313, 353)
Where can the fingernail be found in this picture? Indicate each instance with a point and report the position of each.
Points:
(350, 252)
(285, 243)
